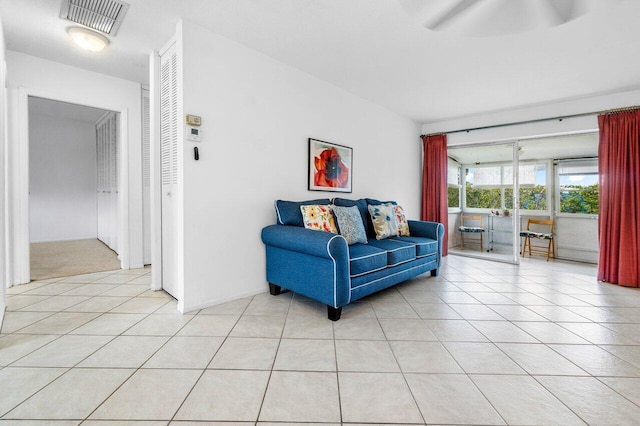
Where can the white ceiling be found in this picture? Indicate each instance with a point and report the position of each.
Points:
(65, 110)
(376, 49)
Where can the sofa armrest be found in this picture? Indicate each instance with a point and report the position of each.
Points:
(421, 228)
(307, 241)
(433, 230)
(312, 263)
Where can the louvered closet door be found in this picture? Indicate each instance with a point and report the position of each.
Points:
(169, 164)
(146, 179)
(113, 181)
(101, 196)
(107, 191)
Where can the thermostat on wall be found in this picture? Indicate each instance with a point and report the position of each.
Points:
(192, 133)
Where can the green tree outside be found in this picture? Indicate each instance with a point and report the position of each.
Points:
(453, 196)
(533, 198)
(482, 198)
(573, 198)
(579, 199)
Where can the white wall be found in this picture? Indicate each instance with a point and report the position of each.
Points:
(577, 238)
(4, 278)
(62, 179)
(257, 115)
(31, 76)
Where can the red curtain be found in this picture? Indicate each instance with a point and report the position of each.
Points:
(619, 179)
(434, 184)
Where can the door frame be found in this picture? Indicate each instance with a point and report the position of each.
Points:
(155, 191)
(20, 242)
(515, 162)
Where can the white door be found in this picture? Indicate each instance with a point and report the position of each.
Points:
(101, 195)
(146, 179)
(168, 161)
(107, 191)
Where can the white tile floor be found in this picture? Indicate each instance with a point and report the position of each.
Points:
(484, 343)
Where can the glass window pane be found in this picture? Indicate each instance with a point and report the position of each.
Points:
(453, 173)
(533, 186)
(534, 198)
(508, 198)
(527, 174)
(482, 198)
(488, 176)
(483, 187)
(454, 197)
(578, 187)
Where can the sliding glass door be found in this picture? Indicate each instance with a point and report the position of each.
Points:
(483, 202)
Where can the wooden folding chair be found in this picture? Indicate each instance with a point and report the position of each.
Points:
(537, 232)
(465, 228)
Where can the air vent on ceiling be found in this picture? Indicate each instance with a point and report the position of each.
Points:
(100, 15)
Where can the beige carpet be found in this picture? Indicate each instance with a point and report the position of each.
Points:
(65, 258)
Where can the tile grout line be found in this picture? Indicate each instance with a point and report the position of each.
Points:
(135, 370)
(266, 389)
(395, 358)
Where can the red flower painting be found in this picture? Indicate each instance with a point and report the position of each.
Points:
(331, 172)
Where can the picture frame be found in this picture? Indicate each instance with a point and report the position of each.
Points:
(330, 166)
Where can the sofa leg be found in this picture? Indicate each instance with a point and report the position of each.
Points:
(274, 289)
(334, 313)
(435, 272)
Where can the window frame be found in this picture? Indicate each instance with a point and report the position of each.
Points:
(458, 209)
(557, 192)
(503, 187)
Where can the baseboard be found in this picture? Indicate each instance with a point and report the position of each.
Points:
(215, 302)
(2, 309)
(136, 266)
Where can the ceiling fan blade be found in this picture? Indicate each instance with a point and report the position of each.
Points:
(560, 12)
(450, 14)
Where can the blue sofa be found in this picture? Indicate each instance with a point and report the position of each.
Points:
(323, 267)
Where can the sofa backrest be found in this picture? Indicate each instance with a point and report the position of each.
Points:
(288, 212)
(364, 211)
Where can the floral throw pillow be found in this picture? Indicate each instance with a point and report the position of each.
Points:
(350, 224)
(401, 220)
(383, 217)
(319, 218)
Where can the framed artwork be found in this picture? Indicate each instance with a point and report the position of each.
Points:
(330, 166)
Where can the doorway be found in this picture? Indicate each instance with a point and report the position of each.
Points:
(482, 217)
(73, 187)
(556, 183)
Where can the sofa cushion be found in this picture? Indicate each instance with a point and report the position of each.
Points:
(364, 259)
(361, 204)
(319, 218)
(384, 221)
(288, 212)
(401, 220)
(397, 251)
(350, 224)
(424, 246)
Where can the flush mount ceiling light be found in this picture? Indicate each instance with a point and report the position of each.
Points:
(88, 39)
